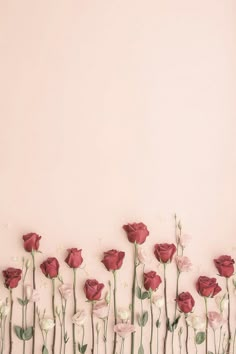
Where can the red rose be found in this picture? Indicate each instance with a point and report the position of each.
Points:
(31, 242)
(207, 287)
(185, 302)
(12, 277)
(50, 267)
(136, 232)
(225, 266)
(93, 289)
(151, 281)
(113, 259)
(164, 252)
(74, 258)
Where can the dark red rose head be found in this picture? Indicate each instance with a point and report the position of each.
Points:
(151, 281)
(113, 259)
(207, 287)
(31, 242)
(164, 252)
(136, 232)
(225, 266)
(12, 276)
(50, 267)
(93, 289)
(185, 302)
(74, 258)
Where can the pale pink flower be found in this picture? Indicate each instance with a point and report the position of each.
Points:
(35, 297)
(100, 309)
(66, 291)
(143, 256)
(215, 320)
(80, 318)
(183, 240)
(124, 329)
(183, 263)
(158, 300)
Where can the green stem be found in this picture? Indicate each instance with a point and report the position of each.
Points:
(122, 346)
(82, 335)
(186, 340)
(92, 323)
(234, 340)
(97, 340)
(195, 342)
(75, 309)
(220, 340)
(133, 295)
(115, 311)
(158, 331)
(214, 333)
(64, 325)
(34, 305)
(151, 336)
(105, 335)
(166, 309)
(176, 295)
(54, 316)
(206, 341)
(10, 323)
(228, 318)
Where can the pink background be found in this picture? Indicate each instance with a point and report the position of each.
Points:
(113, 112)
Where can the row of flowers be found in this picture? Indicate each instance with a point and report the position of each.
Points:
(124, 322)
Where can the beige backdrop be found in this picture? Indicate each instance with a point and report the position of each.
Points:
(117, 111)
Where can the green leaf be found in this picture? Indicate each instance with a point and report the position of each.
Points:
(200, 337)
(66, 338)
(144, 318)
(44, 350)
(145, 295)
(139, 292)
(158, 324)
(83, 348)
(28, 333)
(21, 302)
(169, 325)
(19, 332)
(210, 352)
(141, 350)
(175, 323)
(139, 320)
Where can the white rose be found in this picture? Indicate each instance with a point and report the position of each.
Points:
(158, 301)
(222, 302)
(123, 314)
(4, 310)
(196, 322)
(47, 324)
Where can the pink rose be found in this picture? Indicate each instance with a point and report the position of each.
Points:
(215, 320)
(66, 291)
(124, 329)
(183, 263)
(100, 309)
(136, 232)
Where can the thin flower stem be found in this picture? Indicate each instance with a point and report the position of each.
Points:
(228, 318)
(220, 340)
(122, 346)
(97, 341)
(206, 341)
(195, 342)
(115, 311)
(10, 323)
(61, 333)
(166, 310)
(92, 323)
(34, 305)
(214, 333)
(186, 339)
(176, 295)
(133, 296)
(54, 316)
(64, 325)
(82, 335)
(105, 334)
(180, 343)
(158, 331)
(234, 340)
(151, 336)
(24, 326)
(75, 309)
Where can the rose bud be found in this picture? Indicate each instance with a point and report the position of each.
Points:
(185, 302)
(93, 289)
(164, 252)
(50, 267)
(207, 287)
(31, 242)
(136, 232)
(225, 266)
(12, 276)
(151, 281)
(74, 258)
(113, 259)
